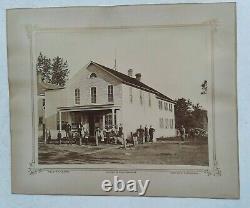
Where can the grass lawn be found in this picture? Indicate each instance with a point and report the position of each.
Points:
(162, 152)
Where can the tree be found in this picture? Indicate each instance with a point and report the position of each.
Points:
(199, 116)
(204, 87)
(182, 112)
(190, 115)
(59, 71)
(43, 67)
(53, 72)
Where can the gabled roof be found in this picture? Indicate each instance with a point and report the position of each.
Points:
(42, 87)
(132, 82)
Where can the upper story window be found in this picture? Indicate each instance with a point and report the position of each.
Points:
(160, 104)
(93, 94)
(92, 75)
(110, 93)
(170, 107)
(149, 100)
(77, 96)
(166, 106)
(141, 98)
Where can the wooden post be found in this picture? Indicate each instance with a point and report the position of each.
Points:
(60, 125)
(103, 121)
(113, 117)
(60, 121)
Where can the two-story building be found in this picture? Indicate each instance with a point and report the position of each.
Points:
(102, 97)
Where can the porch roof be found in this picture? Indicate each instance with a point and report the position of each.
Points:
(88, 107)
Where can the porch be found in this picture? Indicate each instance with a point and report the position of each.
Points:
(90, 116)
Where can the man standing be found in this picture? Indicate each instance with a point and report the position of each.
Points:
(151, 133)
(146, 134)
(120, 133)
(114, 134)
(135, 138)
(59, 136)
(141, 134)
(86, 135)
(182, 132)
(67, 130)
(97, 136)
(80, 126)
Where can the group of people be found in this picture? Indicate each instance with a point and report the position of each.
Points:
(82, 133)
(108, 135)
(185, 134)
(142, 135)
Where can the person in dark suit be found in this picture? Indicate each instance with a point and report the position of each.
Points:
(146, 134)
(67, 130)
(151, 133)
(141, 134)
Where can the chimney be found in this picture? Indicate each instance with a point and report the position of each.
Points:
(138, 76)
(130, 72)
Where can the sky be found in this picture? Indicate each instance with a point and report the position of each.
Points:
(173, 60)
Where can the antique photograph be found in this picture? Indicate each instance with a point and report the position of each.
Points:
(139, 92)
(123, 95)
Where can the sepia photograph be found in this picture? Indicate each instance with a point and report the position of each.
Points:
(141, 93)
(123, 95)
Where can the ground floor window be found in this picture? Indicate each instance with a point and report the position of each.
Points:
(108, 120)
(166, 123)
(171, 123)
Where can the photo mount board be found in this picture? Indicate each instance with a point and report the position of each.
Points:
(217, 180)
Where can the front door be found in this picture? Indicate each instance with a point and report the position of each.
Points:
(91, 119)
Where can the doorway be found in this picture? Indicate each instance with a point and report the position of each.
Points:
(91, 119)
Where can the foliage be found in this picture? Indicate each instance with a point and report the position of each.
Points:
(204, 87)
(53, 72)
(43, 67)
(190, 115)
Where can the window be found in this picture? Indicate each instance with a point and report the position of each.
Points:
(149, 99)
(108, 120)
(170, 107)
(166, 123)
(77, 96)
(160, 104)
(93, 94)
(110, 93)
(166, 106)
(171, 123)
(161, 123)
(141, 99)
(92, 75)
(130, 94)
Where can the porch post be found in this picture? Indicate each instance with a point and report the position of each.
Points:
(60, 121)
(113, 117)
(103, 121)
